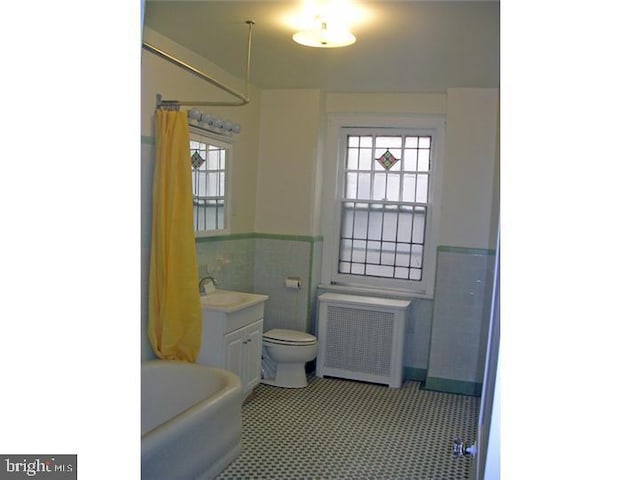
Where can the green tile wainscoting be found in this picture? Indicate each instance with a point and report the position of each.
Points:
(462, 301)
(259, 263)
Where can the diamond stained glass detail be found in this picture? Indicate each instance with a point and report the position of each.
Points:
(196, 160)
(387, 160)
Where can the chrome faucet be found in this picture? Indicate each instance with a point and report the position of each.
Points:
(203, 281)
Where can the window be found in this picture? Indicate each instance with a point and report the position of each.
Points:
(382, 234)
(209, 168)
(384, 205)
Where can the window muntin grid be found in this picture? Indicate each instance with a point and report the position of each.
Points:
(384, 209)
(209, 185)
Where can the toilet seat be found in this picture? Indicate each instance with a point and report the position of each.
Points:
(282, 336)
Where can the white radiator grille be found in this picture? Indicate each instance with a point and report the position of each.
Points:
(361, 338)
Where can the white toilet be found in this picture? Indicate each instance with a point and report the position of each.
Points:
(284, 355)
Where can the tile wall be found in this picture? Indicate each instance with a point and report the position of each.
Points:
(277, 259)
(445, 337)
(229, 259)
(260, 263)
(464, 279)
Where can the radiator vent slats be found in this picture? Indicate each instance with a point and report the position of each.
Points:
(361, 338)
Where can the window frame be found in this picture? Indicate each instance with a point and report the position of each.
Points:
(204, 136)
(338, 127)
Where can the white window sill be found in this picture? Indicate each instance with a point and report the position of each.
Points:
(364, 290)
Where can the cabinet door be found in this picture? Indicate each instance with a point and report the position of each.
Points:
(234, 352)
(253, 355)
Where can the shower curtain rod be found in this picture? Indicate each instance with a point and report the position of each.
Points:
(243, 99)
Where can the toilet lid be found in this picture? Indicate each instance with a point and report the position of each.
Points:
(288, 337)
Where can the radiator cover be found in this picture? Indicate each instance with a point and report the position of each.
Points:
(361, 338)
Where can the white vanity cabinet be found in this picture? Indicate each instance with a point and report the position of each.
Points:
(232, 334)
(243, 354)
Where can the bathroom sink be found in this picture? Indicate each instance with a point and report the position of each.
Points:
(230, 301)
(223, 298)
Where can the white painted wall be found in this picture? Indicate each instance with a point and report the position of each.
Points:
(468, 208)
(174, 83)
(286, 187)
(276, 180)
(291, 134)
(391, 103)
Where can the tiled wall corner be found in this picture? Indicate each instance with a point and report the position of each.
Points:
(461, 314)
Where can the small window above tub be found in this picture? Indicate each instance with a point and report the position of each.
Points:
(210, 159)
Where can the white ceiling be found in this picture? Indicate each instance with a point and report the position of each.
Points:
(402, 46)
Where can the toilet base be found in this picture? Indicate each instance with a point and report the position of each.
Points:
(288, 375)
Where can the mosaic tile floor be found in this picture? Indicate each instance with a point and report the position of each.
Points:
(341, 429)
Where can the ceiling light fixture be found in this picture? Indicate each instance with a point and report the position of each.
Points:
(324, 36)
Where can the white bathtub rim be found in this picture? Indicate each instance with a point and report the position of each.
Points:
(193, 415)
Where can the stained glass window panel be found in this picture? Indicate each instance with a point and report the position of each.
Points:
(387, 160)
(383, 233)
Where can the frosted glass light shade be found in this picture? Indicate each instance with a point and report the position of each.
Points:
(324, 38)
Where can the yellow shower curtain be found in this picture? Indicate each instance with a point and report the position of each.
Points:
(175, 318)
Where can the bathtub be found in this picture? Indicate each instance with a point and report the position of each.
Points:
(191, 423)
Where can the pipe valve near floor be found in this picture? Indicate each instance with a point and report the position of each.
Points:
(460, 449)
